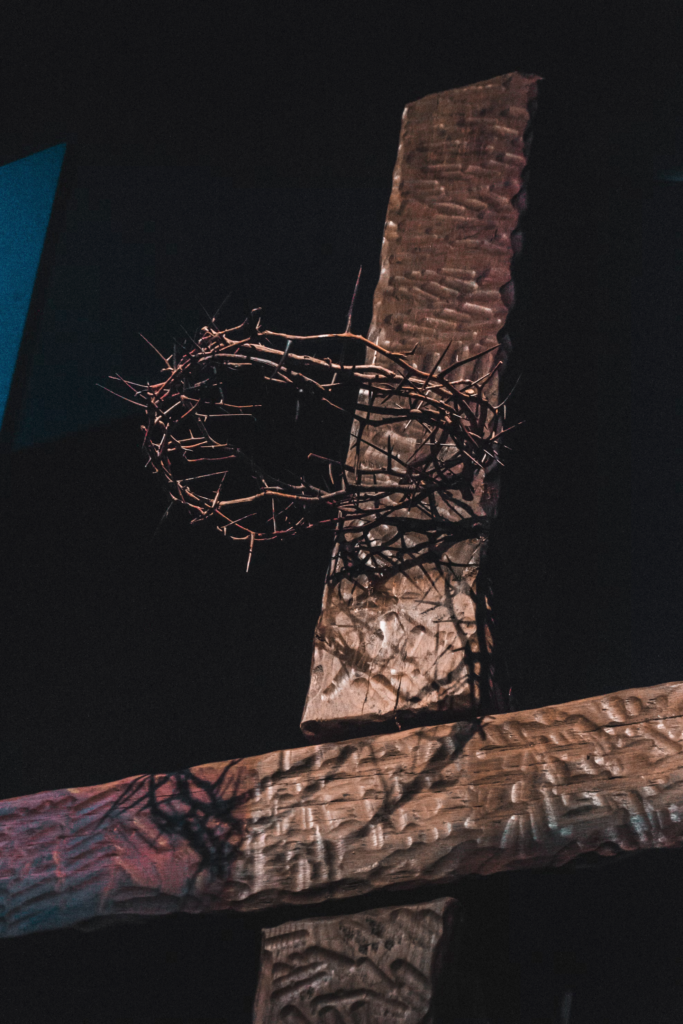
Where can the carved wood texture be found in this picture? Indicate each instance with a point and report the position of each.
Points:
(380, 967)
(405, 640)
(428, 805)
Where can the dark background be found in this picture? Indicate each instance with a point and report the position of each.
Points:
(246, 151)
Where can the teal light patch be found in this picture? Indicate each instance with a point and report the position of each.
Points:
(27, 192)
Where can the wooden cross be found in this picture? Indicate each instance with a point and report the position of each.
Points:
(401, 642)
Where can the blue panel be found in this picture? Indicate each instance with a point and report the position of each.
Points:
(27, 191)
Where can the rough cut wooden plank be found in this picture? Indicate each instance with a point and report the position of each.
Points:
(430, 805)
(379, 967)
(396, 639)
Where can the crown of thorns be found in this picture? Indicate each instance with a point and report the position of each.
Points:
(225, 424)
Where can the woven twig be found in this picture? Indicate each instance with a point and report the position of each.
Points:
(216, 420)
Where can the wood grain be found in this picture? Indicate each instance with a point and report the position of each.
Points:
(402, 638)
(429, 805)
(379, 967)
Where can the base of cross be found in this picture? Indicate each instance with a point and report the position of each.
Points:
(528, 789)
(388, 964)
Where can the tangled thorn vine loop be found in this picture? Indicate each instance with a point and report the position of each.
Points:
(229, 429)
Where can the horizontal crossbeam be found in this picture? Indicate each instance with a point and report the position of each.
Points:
(425, 806)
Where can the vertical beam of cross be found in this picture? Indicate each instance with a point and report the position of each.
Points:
(403, 629)
(380, 965)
